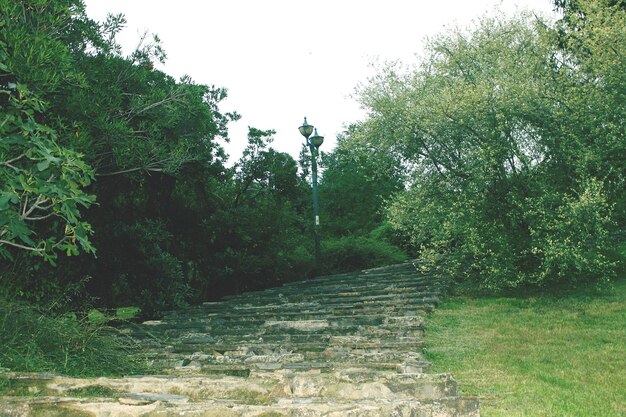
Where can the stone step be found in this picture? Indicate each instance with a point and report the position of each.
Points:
(217, 323)
(266, 387)
(349, 293)
(243, 359)
(364, 280)
(318, 303)
(409, 344)
(234, 364)
(258, 320)
(368, 287)
(317, 310)
(195, 335)
(348, 355)
(172, 406)
(211, 335)
(206, 364)
(331, 307)
(283, 336)
(406, 320)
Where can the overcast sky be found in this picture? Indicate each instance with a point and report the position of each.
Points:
(282, 60)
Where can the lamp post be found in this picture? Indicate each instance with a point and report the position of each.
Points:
(313, 142)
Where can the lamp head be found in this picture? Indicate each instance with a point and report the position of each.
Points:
(306, 129)
(316, 139)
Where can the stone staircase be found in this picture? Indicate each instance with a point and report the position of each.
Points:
(342, 345)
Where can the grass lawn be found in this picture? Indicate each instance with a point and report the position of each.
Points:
(536, 356)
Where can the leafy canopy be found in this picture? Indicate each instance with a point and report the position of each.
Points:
(514, 145)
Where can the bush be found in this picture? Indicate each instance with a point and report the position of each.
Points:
(548, 238)
(351, 253)
(300, 263)
(571, 241)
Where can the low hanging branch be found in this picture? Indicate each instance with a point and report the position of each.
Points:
(128, 171)
(175, 97)
(169, 164)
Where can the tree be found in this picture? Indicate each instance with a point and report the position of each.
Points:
(503, 190)
(592, 89)
(261, 222)
(75, 110)
(42, 181)
(357, 182)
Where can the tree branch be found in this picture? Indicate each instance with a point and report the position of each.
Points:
(172, 98)
(31, 248)
(126, 171)
(40, 200)
(17, 245)
(10, 162)
(39, 217)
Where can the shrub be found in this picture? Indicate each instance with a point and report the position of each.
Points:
(572, 239)
(547, 238)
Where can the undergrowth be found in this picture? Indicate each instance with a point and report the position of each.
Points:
(35, 340)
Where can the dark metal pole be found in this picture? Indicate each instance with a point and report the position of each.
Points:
(316, 210)
(314, 142)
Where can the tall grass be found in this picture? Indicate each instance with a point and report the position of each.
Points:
(35, 340)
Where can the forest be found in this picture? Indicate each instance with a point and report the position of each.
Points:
(498, 160)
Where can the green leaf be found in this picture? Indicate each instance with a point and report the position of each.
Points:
(4, 201)
(43, 165)
(13, 140)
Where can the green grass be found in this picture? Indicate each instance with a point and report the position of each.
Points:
(33, 340)
(121, 313)
(548, 356)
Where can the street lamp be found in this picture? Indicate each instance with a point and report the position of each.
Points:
(313, 142)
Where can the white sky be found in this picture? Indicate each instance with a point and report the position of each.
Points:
(282, 60)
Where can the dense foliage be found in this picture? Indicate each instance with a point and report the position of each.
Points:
(102, 152)
(357, 181)
(43, 181)
(513, 134)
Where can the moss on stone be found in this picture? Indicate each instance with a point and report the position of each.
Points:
(244, 373)
(57, 411)
(23, 387)
(250, 397)
(92, 391)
